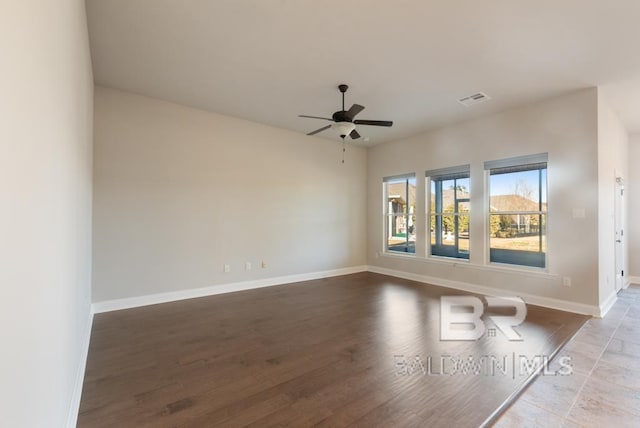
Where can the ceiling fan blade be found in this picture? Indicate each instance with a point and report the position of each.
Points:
(315, 117)
(354, 135)
(353, 111)
(374, 122)
(319, 130)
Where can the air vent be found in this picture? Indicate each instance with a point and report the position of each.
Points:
(474, 99)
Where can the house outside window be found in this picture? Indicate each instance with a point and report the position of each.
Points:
(449, 209)
(518, 211)
(400, 208)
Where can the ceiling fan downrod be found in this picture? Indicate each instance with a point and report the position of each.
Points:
(343, 88)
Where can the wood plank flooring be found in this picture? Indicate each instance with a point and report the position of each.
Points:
(345, 351)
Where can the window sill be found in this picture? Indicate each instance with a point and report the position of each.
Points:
(518, 270)
(466, 264)
(398, 255)
(447, 260)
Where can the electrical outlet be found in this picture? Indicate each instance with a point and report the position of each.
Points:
(247, 266)
(227, 268)
(566, 281)
(263, 265)
(579, 213)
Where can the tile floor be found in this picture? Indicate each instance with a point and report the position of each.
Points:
(604, 389)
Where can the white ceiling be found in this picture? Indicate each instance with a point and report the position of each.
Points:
(405, 60)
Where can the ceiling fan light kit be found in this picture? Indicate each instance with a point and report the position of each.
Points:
(344, 128)
(344, 122)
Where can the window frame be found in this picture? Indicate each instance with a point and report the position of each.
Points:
(523, 163)
(387, 214)
(439, 176)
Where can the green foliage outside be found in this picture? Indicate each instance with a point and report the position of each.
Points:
(502, 225)
(448, 221)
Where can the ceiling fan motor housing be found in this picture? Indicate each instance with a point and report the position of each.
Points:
(340, 116)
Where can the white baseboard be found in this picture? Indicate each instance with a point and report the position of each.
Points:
(72, 419)
(607, 304)
(172, 296)
(153, 299)
(635, 280)
(547, 302)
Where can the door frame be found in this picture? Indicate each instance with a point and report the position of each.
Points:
(619, 234)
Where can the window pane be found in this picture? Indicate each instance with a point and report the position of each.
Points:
(401, 233)
(518, 206)
(432, 197)
(543, 189)
(411, 195)
(518, 239)
(448, 217)
(400, 218)
(448, 229)
(448, 196)
(397, 198)
(463, 234)
(401, 196)
(445, 193)
(449, 235)
(518, 191)
(432, 230)
(462, 188)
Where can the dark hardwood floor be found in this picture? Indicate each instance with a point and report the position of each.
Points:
(342, 351)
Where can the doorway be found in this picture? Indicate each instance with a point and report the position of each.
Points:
(619, 231)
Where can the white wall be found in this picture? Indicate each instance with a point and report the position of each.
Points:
(613, 158)
(566, 128)
(633, 204)
(179, 192)
(45, 208)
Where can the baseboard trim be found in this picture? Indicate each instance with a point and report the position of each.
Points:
(547, 302)
(72, 419)
(634, 280)
(153, 299)
(608, 304)
(172, 296)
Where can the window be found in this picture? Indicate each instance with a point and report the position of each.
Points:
(449, 212)
(518, 211)
(400, 207)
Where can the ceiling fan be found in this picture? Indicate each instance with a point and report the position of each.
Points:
(344, 121)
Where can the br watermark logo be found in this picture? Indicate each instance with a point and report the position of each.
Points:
(508, 365)
(461, 317)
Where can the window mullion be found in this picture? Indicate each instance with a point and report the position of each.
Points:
(406, 219)
(540, 208)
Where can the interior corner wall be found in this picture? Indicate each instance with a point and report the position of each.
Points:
(46, 110)
(180, 192)
(633, 203)
(566, 128)
(613, 162)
